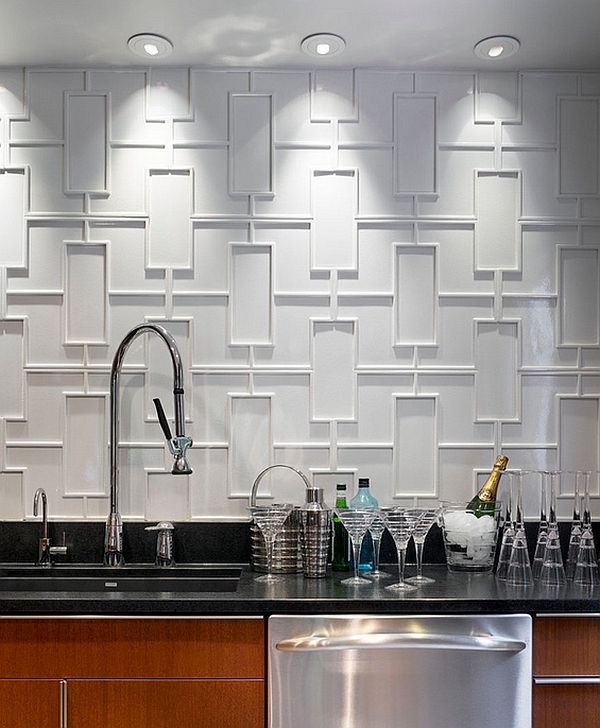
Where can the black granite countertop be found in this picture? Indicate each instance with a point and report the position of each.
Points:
(294, 594)
(229, 543)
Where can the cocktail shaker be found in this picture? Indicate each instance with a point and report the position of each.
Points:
(315, 534)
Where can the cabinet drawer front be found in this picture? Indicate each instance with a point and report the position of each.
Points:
(124, 648)
(557, 706)
(27, 703)
(165, 703)
(566, 645)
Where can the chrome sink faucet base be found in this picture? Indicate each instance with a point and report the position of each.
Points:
(45, 550)
(178, 444)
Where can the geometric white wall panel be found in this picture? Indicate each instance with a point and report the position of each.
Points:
(14, 203)
(579, 296)
(333, 95)
(250, 441)
(251, 140)
(579, 141)
(496, 351)
(85, 452)
(251, 285)
(498, 211)
(497, 97)
(12, 359)
(579, 433)
(415, 446)
(415, 148)
(333, 380)
(416, 293)
(86, 142)
(86, 293)
(170, 200)
(369, 272)
(334, 207)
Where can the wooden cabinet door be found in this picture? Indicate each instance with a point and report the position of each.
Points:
(165, 703)
(563, 706)
(29, 703)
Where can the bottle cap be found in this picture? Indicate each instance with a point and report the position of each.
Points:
(340, 486)
(363, 482)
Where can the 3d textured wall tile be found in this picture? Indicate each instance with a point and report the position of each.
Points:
(368, 272)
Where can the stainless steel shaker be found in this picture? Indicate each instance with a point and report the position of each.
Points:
(315, 534)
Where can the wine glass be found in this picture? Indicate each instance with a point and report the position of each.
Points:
(356, 521)
(401, 523)
(270, 519)
(428, 518)
(376, 530)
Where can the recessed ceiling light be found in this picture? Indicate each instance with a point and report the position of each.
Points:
(498, 46)
(323, 44)
(148, 45)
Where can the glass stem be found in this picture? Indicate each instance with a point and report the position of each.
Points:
(356, 544)
(376, 546)
(401, 561)
(269, 543)
(419, 553)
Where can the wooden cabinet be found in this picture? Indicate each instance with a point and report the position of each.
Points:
(129, 673)
(566, 670)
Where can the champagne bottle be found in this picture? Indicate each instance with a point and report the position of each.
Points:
(484, 502)
(341, 549)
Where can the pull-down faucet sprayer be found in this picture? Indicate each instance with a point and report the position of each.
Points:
(178, 444)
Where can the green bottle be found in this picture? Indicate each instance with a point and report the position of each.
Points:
(341, 549)
(484, 502)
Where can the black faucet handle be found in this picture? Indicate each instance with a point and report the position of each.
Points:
(162, 418)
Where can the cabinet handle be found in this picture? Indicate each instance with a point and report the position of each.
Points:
(568, 614)
(567, 680)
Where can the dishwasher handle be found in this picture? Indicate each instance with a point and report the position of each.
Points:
(382, 640)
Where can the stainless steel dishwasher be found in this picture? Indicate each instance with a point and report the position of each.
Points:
(433, 671)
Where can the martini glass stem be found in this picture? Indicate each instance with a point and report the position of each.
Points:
(419, 554)
(401, 563)
(269, 543)
(356, 544)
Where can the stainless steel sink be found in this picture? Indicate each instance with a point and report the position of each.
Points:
(144, 578)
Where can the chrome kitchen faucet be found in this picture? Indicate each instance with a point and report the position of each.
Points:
(178, 445)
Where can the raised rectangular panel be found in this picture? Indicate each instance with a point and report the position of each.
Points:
(579, 285)
(251, 144)
(498, 208)
(251, 299)
(579, 427)
(86, 143)
(86, 293)
(12, 360)
(169, 93)
(14, 204)
(415, 144)
(333, 382)
(333, 95)
(250, 440)
(334, 200)
(12, 92)
(416, 295)
(167, 497)
(578, 136)
(170, 203)
(11, 496)
(497, 97)
(85, 451)
(496, 383)
(415, 446)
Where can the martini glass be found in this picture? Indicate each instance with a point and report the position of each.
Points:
(376, 530)
(356, 521)
(428, 518)
(270, 520)
(401, 523)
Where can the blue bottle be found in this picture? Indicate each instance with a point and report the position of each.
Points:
(365, 499)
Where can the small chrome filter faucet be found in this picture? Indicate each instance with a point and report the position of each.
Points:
(178, 444)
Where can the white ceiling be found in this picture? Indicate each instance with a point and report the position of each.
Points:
(410, 34)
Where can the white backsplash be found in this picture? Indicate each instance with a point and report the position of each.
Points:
(368, 273)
